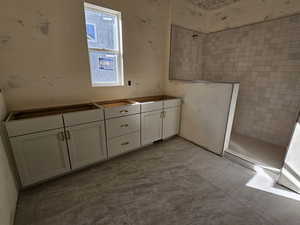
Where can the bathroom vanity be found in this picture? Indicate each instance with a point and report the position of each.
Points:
(50, 142)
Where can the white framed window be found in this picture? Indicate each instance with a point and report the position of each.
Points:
(104, 38)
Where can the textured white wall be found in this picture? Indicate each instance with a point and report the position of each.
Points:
(248, 12)
(44, 59)
(187, 14)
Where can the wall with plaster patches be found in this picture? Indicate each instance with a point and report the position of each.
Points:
(44, 59)
(188, 14)
(247, 12)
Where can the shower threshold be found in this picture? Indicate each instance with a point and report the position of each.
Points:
(252, 152)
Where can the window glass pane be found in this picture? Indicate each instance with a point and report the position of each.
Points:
(106, 29)
(104, 67)
(91, 32)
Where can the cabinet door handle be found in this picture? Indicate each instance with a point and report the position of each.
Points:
(61, 136)
(124, 111)
(124, 125)
(68, 135)
(162, 114)
(125, 143)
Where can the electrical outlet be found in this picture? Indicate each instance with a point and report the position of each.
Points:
(131, 83)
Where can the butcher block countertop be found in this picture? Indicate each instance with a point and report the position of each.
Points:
(32, 113)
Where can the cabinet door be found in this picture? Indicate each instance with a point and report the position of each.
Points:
(171, 122)
(40, 156)
(86, 144)
(151, 127)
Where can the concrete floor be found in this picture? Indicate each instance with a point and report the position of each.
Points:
(257, 151)
(173, 182)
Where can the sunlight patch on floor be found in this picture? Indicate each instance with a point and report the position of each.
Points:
(265, 182)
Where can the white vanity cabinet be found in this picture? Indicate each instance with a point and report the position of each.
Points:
(151, 122)
(159, 120)
(171, 117)
(122, 110)
(49, 146)
(86, 144)
(171, 122)
(85, 137)
(123, 144)
(124, 125)
(50, 142)
(123, 129)
(39, 148)
(40, 156)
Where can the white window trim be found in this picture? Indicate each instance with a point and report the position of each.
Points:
(120, 68)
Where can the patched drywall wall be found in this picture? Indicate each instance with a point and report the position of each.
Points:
(213, 4)
(215, 15)
(44, 59)
(247, 12)
(8, 187)
(188, 14)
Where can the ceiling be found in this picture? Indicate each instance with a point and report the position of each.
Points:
(212, 4)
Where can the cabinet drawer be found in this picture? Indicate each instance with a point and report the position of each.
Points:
(81, 117)
(27, 126)
(172, 103)
(151, 106)
(122, 111)
(123, 125)
(123, 144)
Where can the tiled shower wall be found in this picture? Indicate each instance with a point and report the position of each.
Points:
(186, 56)
(265, 59)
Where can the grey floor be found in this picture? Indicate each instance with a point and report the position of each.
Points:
(173, 182)
(257, 151)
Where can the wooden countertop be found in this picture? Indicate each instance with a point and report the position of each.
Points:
(128, 101)
(31, 113)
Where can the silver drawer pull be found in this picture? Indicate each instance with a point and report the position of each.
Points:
(124, 111)
(124, 125)
(125, 143)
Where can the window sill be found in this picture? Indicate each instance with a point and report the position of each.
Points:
(108, 85)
